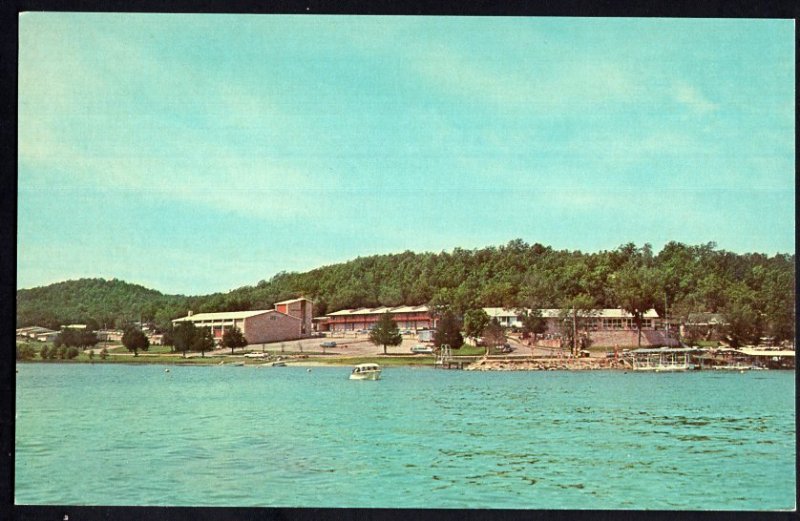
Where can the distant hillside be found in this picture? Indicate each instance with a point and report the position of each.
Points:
(754, 286)
(77, 301)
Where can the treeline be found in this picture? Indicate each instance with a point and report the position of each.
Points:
(756, 292)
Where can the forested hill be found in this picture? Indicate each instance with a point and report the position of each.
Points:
(99, 300)
(690, 278)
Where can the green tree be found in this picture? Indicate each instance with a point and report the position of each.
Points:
(532, 322)
(448, 331)
(385, 332)
(203, 341)
(575, 313)
(134, 340)
(25, 352)
(743, 321)
(44, 354)
(635, 289)
(233, 338)
(92, 325)
(475, 321)
(88, 338)
(168, 338)
(183, 337)
(494, 335)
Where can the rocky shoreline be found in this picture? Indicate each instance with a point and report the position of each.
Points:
(547, 364)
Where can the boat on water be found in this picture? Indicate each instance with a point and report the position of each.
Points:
(366, 372)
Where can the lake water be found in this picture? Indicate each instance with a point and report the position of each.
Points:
(110, 434)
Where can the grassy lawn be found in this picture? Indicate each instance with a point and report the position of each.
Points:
(468, 350)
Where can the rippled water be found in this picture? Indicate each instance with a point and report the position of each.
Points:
(247, 436)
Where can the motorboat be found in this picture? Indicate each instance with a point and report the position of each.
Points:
(366, 372)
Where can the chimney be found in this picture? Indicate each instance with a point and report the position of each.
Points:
(190, 312)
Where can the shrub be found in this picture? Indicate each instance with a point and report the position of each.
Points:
(104, 353)
(44, 353)
(71, 352)
(91, 354)
(25, 352)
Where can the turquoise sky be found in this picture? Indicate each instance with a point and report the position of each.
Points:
(200, 153)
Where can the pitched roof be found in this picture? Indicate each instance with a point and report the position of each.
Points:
(555, 312)
(293, 300)
(224, 315)
(378, 310)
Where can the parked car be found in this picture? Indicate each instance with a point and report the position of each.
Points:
(505, 348)
(329, 343)
(428, 350)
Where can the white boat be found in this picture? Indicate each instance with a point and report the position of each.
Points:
(366, 372)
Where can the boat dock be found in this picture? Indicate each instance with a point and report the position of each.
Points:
(458, 362)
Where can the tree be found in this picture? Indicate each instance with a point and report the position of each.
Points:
(203, 341)
(134, 340)
(183, 336)
(494, 335)
(635, 290)
(532, 322)
(574, 315)
(448, 331)
(743, 321)
(385, 332)
(475, 321)
(168, 338)
(92, 325)
(233, 338)
(88, 338)
(25, 352)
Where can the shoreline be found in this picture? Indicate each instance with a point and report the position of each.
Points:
(481, 365)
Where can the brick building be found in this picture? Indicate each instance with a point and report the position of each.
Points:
(299, 307)
(608, 319)
(411, 318)
(290, 320)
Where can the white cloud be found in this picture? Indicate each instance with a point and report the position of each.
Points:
(691, 97)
